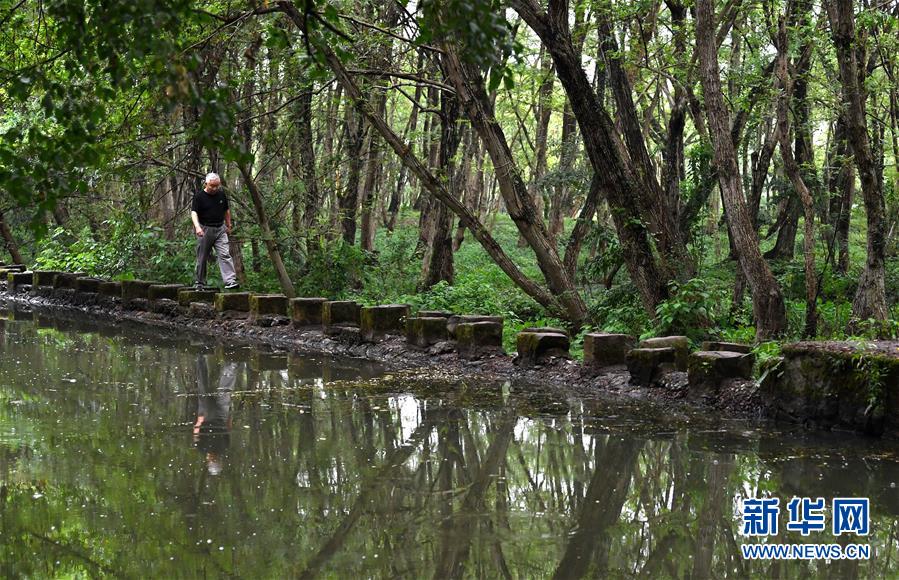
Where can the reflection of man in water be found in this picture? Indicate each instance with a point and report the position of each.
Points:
(212, 431)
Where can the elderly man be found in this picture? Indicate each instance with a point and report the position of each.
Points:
(212, 224)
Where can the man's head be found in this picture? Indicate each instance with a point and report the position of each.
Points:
(213, 181)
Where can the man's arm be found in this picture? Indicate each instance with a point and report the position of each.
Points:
(196, 219)
(228, 221)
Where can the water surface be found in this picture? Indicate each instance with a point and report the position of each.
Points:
(131, 454)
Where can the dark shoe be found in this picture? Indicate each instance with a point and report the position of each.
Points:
(232, 286)
(198, 286)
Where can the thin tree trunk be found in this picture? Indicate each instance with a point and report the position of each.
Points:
(870, 298)
(793, 171)
(768, 303)
(11, 246)
(268, 236)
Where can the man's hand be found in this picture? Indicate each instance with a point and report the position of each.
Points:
(199, 231)
(228, 229)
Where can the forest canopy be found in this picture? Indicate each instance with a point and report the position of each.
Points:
(718, 168)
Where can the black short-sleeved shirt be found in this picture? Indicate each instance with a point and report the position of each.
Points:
(210, 208)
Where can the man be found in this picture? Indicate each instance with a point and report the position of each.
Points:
(212, 224)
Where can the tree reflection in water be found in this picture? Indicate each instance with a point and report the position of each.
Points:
(333, 473)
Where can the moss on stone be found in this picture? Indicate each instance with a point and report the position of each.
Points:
(188, 295)
(236, 301)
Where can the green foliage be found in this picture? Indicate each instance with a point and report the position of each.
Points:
(693, 309)
(128, 251)
(331, 269)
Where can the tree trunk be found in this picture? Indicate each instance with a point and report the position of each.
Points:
(842, 188)
(626, 196)
(311, 191)
(870, 298)
(268, 236)
(349, 201)
(794, 173)
(438, 259)
(11, 246)
(767, 301)
(473, 97)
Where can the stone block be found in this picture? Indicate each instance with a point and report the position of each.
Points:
(268, 305)
(164, 291)
(15, 268)
(268, 309)
(88, 284)
(457, 319)
(307, 312)
(538, 347)
(111, 289)
(726, 346)
(188, 295)
(545, 330)
(376, 322)
(646, 365)
(680, 344)
(203, 310)
(67, 279)
(836, 384)
(44, 277)
(434, 314)
(134, 289)
(18, 280)
(232, 302)
(339, 314)
(423, 331)
(707, 369)
(476, 338)
(605, 350)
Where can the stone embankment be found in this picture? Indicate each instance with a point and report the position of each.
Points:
(830, 385)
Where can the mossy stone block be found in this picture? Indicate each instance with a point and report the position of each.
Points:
(680, 344)
(476, 338)
(341, 313)
(164, 291)
(88, 284)
(433, 314)
(545, 330)
(188, 295)
(307, 312)
(44, 277)
(457, 319)
(376, 322)
(538, 347)
(111, 289)
(646, 365)
(423, 331)
(20, 278)
(726, 346)
(134, 289)
(67, 279)
(706, 370)
(268, 305)
(605, 350)
(232, 301)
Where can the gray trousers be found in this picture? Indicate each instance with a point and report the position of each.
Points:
(214, 238)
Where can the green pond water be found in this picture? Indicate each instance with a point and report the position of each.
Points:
(128, 453)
